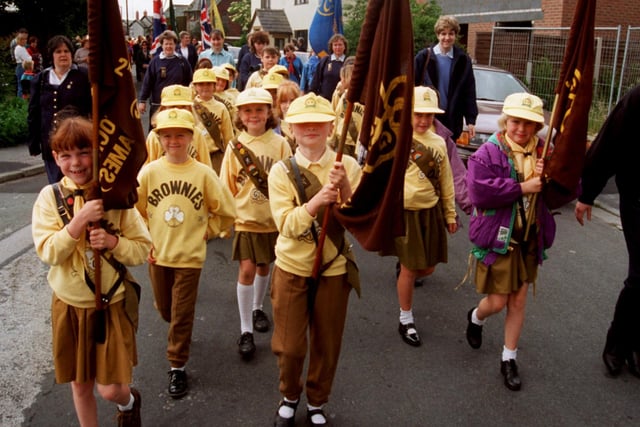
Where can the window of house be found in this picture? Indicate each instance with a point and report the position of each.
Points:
(301, 2)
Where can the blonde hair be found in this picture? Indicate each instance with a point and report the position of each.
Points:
(502, 123)
(445, 22)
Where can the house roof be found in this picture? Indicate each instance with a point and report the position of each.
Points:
(274, 21)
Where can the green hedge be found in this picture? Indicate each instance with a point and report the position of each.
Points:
(13, 126)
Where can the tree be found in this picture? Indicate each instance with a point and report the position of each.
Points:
(424, 17)
(240, 13)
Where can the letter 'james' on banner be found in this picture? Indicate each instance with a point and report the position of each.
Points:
(571, 110)
(382, 80)
(121, 142)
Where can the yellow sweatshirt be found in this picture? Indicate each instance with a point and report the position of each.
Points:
(251, 205)
(295, 247)
(69, 258)
(223, 119)
(418, 192)
(179, 202)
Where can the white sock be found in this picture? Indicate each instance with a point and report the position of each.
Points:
(260, 286)
(245, 298)
(128, 406)
(406, 317)
(285, 411)
(474, 318)
(508, 354)
(316, 418)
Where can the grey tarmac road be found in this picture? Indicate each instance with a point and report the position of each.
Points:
(380, 380)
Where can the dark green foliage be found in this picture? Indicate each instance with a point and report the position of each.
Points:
(13, 126)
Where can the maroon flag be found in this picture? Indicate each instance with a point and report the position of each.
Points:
(120, 138)
(382, 80)
(571, 109)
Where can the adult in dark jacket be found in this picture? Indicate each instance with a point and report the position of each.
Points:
(62, 87)
(252, 61)
(327, 73)
(188, 50)
(167, 68)
(448, 69)
(616, 151)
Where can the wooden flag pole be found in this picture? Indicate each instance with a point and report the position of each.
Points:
(534, 200)
(97, 279)
(317, 263)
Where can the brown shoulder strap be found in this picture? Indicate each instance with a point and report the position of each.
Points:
(425, 160)
(210, 123)
(252, 166)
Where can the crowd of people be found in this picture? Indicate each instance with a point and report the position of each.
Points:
(246, 152)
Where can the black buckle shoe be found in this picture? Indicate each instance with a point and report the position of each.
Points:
(409, 334)
(633, 363)
(474, 332)
(177, 383)
(509, 371)
(260, 321)
(279, 421)
(246, 347)
(312, 412)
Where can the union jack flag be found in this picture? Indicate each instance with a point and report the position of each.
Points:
(159, 24)
(205, 25)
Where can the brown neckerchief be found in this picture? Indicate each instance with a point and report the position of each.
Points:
(210, 124)
(252, 166)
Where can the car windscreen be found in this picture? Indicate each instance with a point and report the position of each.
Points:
(496, 85)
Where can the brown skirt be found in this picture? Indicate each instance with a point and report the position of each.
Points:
(508, 272)
(258, 247)
(425, 241)
(78, 358)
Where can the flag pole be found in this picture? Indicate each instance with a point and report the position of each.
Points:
(534, 199)
(317, 262)
(100, 325)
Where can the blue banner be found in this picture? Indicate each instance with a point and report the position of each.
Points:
(326, 22)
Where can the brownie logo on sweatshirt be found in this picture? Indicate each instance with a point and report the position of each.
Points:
(173, 216)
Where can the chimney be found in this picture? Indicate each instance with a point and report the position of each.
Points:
(137, 15)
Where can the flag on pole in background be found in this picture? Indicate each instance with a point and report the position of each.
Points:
(205, 24)
(216, 19)
(326, 22)
(571, 108)
(382, 80)
(121, 142)
(159, 25)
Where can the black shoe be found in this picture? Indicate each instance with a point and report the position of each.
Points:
(260, 321)
(312, 412)
(612, 356)
(177, 383)
(633, 363)
(246, 347)
(509, 371)
(279, 421)
(409, 334)
(474, 332)
(131, 418)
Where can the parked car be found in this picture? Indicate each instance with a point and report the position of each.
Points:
(493, 85)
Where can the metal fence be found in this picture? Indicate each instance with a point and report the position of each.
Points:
(630, 72)
(535, 56)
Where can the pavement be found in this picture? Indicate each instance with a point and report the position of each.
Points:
(16, 163)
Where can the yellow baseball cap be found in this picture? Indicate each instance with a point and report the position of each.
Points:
(230, 68)
(272, 80)
(175, 95)
(310, 108)
(425, 100)
(254, 95)
(204, 75)
(221, 73)
(280, 69)
(174, 118)
(525, 106)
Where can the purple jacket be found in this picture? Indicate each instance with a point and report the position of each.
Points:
(494, 192)
(457, 168)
